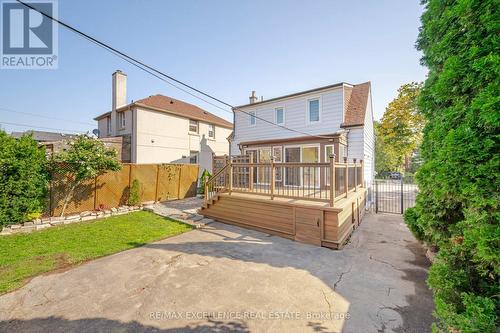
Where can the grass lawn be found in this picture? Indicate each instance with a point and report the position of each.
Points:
(23, 256)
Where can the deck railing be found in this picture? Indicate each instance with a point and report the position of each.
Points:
(217, 183)
(304, 181)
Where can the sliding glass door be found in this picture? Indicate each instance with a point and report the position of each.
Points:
(292, 174)
(263, 172)
(305, 176)
(310, 174)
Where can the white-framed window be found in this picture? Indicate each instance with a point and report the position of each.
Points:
(279, 115)
(211, 131)
(193, 156)
(253, 120)
(193, 126)
(108, 125)
(121, 120)
(313, 110)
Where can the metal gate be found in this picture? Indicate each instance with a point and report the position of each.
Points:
(392, 196)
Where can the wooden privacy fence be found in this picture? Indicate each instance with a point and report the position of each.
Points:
(158, 182)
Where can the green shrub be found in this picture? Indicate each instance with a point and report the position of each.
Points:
(411, 216)
(458, 204)
(23, 179)
(134, 197)
(205, 176)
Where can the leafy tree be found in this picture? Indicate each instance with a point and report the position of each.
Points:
(85, 159)
(401, 126)
(385, 158)
(23, 179)
(458, 205)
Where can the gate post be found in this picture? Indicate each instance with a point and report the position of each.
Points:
(376, 197)
(402, 209)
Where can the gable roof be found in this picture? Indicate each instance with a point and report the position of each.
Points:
(356, 101)
(336, 85)
(174, 106)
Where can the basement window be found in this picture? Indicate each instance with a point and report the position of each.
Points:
(193, 156)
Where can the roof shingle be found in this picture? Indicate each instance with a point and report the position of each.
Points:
(174, 106)
(356, 107)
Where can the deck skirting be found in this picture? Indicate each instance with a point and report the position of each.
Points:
(304, 221)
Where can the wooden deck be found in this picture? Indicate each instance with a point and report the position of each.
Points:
(302, 220)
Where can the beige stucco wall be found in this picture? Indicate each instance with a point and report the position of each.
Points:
(165, 138)
(115, 129)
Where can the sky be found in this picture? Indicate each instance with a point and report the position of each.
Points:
(225, 48)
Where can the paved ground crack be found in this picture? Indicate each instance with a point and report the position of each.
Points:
(340, 278)
(384, 262)
(327, 301)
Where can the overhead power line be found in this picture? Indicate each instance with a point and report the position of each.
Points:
(41, 127)
(45, 116)
(161, 75)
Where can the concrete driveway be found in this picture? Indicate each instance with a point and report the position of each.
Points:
(223, 278)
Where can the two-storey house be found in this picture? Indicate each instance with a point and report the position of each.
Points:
(162, 129)
(307, 127)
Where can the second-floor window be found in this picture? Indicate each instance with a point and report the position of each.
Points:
(121, 119)
(313, 110)
(193, 126)
(211, 131)
(279, 115)
(252, 117)
(108, 125)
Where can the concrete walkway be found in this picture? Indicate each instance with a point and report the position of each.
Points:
(222, 278)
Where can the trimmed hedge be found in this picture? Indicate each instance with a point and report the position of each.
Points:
(23, 179)
(458, 205)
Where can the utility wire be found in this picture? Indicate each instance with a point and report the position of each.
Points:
(44, 116)
(41, 127)
(157, 73)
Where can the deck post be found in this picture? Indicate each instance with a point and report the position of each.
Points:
(230, 176)
(362, 173)
(332, 180)
(346, 175)
(273, 177)
(206, 190)
(355, 175)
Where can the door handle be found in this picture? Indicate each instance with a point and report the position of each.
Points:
(317, 222)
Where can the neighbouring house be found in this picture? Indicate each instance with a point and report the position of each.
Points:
(162, 129)
(43, 136)
(336, 118)
(55, 142)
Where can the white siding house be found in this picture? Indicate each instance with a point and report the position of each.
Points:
(338, 116)
(161, 129)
